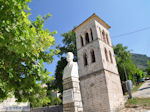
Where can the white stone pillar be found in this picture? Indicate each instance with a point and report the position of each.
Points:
(71, 95)
(71, 89)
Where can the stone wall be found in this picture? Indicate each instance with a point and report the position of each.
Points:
(94, 93)
(115, 94)
(72, 100)
(57, 108)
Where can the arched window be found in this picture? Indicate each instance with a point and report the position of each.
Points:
(81, 41)
(91, 33)
(103, 36)
(87, 38)
(110, 57)
(106, 54)
(92, 55)
(85, 59)
(107, 39)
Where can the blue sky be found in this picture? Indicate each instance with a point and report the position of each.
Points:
(122, 15)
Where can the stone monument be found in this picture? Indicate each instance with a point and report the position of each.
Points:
(99, 78)
(71, 89)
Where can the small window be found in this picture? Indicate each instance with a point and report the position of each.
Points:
(92, 56)
(91, 34)
(103, 36)
(85, 59)
(81, 41)
(107, 39)
(106, 54)
(87, 38)
(110, 57)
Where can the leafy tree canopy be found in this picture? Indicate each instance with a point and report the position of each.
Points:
(24, 47)
(124, 57)
(148, 68)
(69, 41)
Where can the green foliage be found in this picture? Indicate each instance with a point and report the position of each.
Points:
(136, 87)
(148, 68)
(24, 47)
(69, 46)
(140, 73)
(45, 97)
(56, 101)
(132, 101)
(142, 102)
(59, 74)
(124, 57)
(40, 99)
(69, 42)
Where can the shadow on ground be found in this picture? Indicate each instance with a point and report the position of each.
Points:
(143, 88)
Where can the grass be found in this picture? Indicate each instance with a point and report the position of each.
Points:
(136, 87)
(135, 102)
(138, 102)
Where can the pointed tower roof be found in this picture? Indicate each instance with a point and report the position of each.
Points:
(93, 16)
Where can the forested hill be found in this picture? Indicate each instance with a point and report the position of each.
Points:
(140, 60)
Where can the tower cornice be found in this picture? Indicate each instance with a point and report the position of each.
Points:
(93, 16)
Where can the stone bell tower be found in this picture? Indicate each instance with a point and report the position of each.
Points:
(99, 79)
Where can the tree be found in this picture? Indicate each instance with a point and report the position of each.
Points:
(24, 47)
(148, 68)
(59, 74)
(123, 56)
(69, 41)
(139, 74)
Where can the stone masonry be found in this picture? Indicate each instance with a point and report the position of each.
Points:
(99, 80)
(72, 103)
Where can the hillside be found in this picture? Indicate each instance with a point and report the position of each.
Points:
(140, 60)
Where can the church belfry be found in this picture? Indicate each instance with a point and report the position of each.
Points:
(99, 79)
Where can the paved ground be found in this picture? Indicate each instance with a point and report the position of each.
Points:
(134, 110)
(143, 91)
